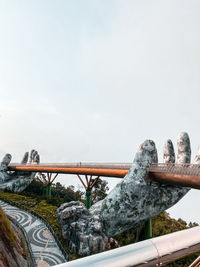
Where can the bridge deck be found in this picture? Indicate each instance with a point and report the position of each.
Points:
(184, 175)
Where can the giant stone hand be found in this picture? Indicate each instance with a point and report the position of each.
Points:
(130, 203)
(17, 181)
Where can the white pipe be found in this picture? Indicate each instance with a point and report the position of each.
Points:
(195, 263)
(140, 252)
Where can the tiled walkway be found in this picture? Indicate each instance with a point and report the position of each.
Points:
(43, 245)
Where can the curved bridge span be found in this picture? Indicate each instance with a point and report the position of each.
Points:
(184, 175)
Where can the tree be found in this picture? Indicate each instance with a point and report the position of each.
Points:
(99, 190)
(36, 187)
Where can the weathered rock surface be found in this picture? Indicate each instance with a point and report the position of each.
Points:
(12, 251)
(128, 205)
(82, 230)
(17, 181)
(134, 200)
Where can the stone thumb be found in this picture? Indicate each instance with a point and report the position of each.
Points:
(5, 162)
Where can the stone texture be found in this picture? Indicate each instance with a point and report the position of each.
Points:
(168, 152)
(129, 204)
(17, 181)
(82, 230)
(134, 200)
(184, 150)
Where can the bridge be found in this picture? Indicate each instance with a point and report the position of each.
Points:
(151, 252)
(185, 175)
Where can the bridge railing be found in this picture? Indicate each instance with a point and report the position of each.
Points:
(152, 252)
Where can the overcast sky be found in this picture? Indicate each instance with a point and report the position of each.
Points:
(90, 80)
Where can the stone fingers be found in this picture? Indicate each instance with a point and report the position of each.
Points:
(5, 162)
(31, 156)
(166, 196)
(34, 157)
(3, 166)
(146, 155)
(168, 152)
(184, 150)
(37, 158)
(25, 158)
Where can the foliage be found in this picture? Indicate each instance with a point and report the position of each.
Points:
(99, 190)
(161, 224)
(59, 193)
(68, 194)
(127, 237)
(36, 187)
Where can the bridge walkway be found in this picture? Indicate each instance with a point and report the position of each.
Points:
(43, 245)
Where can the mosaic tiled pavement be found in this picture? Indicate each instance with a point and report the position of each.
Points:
(44, 247)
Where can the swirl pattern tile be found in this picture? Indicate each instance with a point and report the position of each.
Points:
(43, 245)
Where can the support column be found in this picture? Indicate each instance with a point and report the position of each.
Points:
(148, 229)
(88, 188)
(144, 231)
(49, 181)
(88, 198)
(48, 190)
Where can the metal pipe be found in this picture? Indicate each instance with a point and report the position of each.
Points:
(152, 252)
(196, 263)
(184, 175)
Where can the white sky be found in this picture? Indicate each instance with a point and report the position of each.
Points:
(91, 80)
